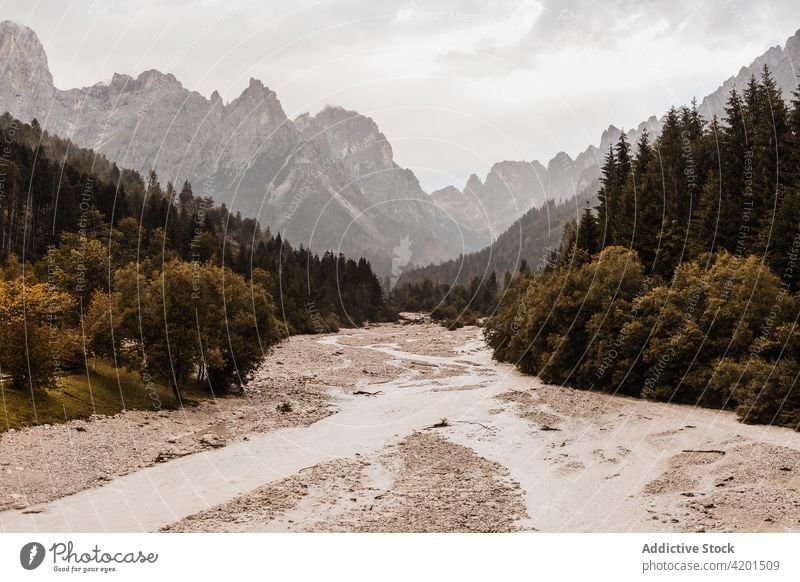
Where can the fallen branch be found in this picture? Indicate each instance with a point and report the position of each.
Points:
(473, 422)
(441, 424)
(445, 423)
(366, 393)
(708, 451)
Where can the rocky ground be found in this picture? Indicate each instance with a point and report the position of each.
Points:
(43, 463)
(409, 427)
(422, 484)
(747, 486)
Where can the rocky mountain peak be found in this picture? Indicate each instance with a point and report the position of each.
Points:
(257, 102)
(474, 183)
(21, 49)
(27, 81)
(783, 64)
(793, 44)
(303, 121)
(349, 125)
(154, 80)
(447, 194)
(328, 182)
(257, 91)
(120, 82)
(609, 137)
(354, 139)
(560, 161)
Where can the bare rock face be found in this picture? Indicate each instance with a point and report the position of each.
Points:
(145, 122)
(490, 207)
(783, 63)
(27, 85)
(394, 198)
(363, 151)
(464, 207)
(327, 182)
(153, 122)
(512, 188)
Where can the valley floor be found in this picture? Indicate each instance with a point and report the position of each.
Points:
(402, 428)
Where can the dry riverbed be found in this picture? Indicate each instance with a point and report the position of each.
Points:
(42, 463)
(404, 427)
(422, 484)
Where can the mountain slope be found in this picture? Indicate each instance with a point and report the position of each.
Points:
(531, 238)
(509, 194)
(568, 184)
(245, 153)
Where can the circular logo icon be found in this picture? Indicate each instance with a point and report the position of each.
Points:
(31, 555)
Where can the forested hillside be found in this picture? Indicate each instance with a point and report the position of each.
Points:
(683, 285)
(461, 291)
(531, 239)
(96, 261)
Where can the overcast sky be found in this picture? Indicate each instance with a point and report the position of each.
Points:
(454, 85)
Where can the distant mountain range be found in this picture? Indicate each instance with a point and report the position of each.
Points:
(327, 181)
(511, 188)
(512, 192)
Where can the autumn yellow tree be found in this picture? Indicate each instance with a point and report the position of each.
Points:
(97, 326)
(34, 339)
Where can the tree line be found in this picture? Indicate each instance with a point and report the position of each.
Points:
(682, 285)
(529, 240)
(97, 261)
(453, 306)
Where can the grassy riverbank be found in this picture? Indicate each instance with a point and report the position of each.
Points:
(102, 390)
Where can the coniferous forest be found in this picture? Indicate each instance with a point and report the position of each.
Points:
(96, 261)
(682, 284)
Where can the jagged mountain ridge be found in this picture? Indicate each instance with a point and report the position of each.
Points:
(334, 187)
(531, 238)
(511, 188)
(538, 230)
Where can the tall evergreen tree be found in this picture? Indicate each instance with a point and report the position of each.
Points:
(607, 197)
(588, 235)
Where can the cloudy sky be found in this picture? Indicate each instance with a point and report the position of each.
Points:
(455, 85)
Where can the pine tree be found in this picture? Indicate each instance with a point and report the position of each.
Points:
(623, 219)
(671, 239)
(588, 236)
(607, 197)
(771, 142)
(647, 200)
